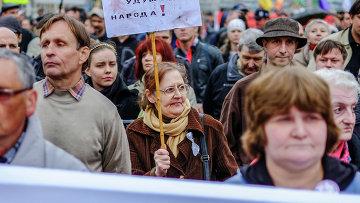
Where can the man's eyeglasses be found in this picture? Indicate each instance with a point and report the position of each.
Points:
(170, 91)
(7, 93)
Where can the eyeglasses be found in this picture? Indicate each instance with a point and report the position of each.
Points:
(170, 91)
(5, 94)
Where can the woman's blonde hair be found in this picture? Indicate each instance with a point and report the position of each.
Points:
(275, 92)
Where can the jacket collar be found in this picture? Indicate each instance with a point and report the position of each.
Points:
(344, 36)
(31, 150)
(232, 72)
(335, 170)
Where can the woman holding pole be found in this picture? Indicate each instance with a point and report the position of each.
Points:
(185, 154)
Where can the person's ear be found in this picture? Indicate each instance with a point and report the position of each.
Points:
(19, 38)
(87, 71)
(84, 54)
(151, 97)
(30, 102)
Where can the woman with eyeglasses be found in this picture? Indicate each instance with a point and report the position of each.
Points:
(144, 62)
(183, 129)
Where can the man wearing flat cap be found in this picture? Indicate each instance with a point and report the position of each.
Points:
(280, 40)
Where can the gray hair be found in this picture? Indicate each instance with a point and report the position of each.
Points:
(248, 39)
(24, 69)
(340, 79)
(316, 21)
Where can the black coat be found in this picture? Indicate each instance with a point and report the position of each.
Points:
(354, 143)
(205, 59)
(125, 50)
(221, 80)
(125, 100)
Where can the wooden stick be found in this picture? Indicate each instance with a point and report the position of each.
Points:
(156, 72)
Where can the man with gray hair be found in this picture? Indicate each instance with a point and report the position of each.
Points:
(344, 90)
(248, 59)
(21, 139)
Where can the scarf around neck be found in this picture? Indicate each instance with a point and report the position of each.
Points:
(175, 129)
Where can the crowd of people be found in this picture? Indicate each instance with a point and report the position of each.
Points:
(273, 102)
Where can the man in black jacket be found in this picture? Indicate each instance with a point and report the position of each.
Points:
(202, 59)
(249, 59)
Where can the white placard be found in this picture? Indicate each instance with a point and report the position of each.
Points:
(21, 184)
(124, 17)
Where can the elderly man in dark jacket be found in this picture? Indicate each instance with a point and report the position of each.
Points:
(202, 59)
(248, 59)
(280, 40)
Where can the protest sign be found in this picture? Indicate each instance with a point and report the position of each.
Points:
(21, 184)
(124, 17)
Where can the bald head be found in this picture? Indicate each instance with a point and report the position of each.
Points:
(9, 40)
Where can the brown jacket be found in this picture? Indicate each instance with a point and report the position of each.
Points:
(145, 141)
(233, 117)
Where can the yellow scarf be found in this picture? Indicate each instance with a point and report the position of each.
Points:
(175, 129)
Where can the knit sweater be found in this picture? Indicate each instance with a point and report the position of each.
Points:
(90, 129)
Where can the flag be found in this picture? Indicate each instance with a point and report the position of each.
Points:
(324, 5)
(266, 4)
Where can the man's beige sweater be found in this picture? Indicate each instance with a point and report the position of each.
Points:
(90, 129)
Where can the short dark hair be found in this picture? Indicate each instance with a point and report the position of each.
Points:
(326, 46)
(355, 8)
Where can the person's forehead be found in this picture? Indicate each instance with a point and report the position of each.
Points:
(163, 33)
(5, 32)
(246, 52)
(333, 53)
(9, 76)
(317, 25)
(58, 30)
(103, 54)
(171, 77)
(282, 38)
(95, 18)
(342, 94)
